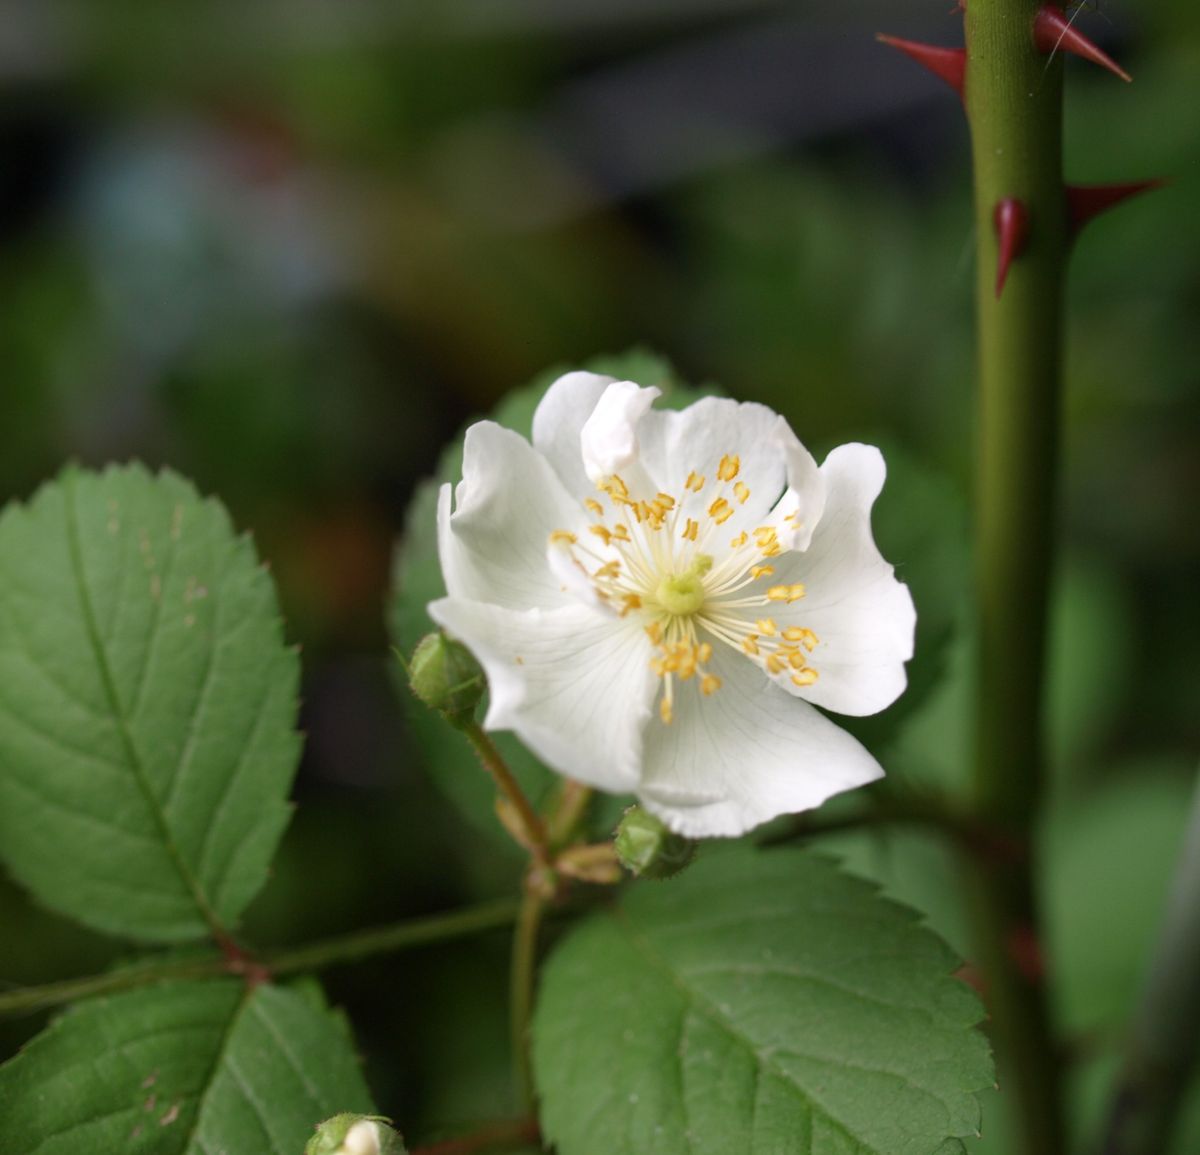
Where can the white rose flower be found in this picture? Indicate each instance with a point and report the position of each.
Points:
(661, 599)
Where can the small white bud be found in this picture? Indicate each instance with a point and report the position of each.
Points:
(362, 1139)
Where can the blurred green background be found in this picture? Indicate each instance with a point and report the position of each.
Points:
(288, 247)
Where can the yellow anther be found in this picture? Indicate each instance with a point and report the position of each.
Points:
(765, 534)
(620, 532)
(615, 487)
(594, 506)
(637, 513)
(775, 664)
(795, 659)
(740, 540)
(742, 490)
(654, 633)
(750, 644)
(664, 710)
(562, 537)
(805, 637)
(728, 469)
(709, 684)
(630, 602)
(694, 482)
(691, 530)
(772, 550)
(759, 571)
(720, 511)
(665, 500)
(767, 626)
(792, 593)
(805, 677)
(601, 532)
(609, 570)
(704, 652)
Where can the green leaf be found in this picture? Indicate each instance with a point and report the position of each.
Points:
(417, 580)
(147, 705)
(762, 1001)
(194, 1068)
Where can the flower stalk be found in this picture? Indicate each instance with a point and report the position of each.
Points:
(522, 976)
(532, 828)
(1014, 104)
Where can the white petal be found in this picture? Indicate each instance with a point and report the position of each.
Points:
(609, 439)
(573, 684)
(493, 546)
(573, 578)
(558, 422)
(695, 439)
(744, 755)
(862, 615)
(803, 504)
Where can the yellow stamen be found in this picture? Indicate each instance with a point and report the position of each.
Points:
(609, 570)
(562, 537)
(775, 664)
(740, 540)
(805, 677)
(750, 644)
(767, 626)
(601, 532)
(709, 684)
(691, 530)
(792, 593)
(720, 511)
(620, 532)
(728, 469)
(743, 492)
(594, 506)
(694, 482)
(654, 633)
(664, 710)
(759, 571)
(806, 638)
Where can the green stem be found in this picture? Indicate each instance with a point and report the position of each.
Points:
(493, 762)
(569, 812)
(521, 982)
(1014, 103)
(314, 956)
(1165, 1041)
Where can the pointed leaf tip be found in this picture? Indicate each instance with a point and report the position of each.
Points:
(948, 64)
(1086, 202)
(1011, 220)
(1053, 31)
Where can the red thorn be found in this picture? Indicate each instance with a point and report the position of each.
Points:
(1085, 202)
(1011, 219)
(948, 64)
(1053, 30)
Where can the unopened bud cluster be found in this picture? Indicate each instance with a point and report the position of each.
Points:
(446, 677)
(351, 1134)
(648, 849)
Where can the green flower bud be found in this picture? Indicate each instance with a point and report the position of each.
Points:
(446, 677)
(648, 849)
(351, 1134)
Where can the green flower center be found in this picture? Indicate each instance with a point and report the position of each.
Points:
(683, 594)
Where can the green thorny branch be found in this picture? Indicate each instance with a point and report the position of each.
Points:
(1010, 79)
